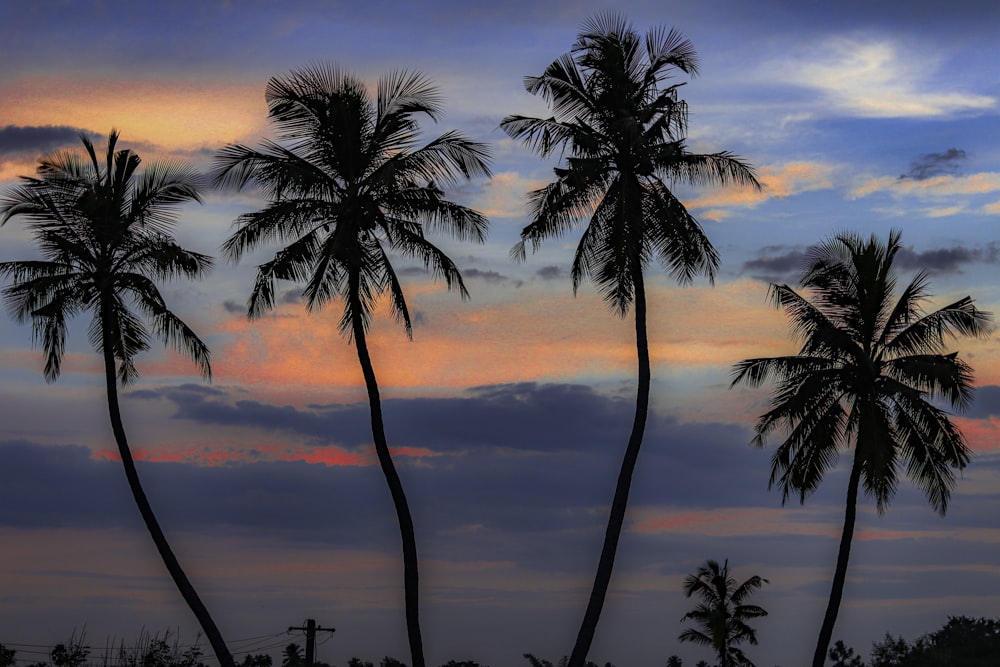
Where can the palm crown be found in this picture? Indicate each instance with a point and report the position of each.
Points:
(625, 131)
(347, 184)
(722, 613)
(103, 229)
(869, 373)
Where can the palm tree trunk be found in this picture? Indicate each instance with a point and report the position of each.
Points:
(840, 574)
(152, 525)
(410, 578)
(617, 516)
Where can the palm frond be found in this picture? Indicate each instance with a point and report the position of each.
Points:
(102, 226)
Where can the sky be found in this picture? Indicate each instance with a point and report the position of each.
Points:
(507, 413)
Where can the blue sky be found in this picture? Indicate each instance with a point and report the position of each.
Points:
(510, 411)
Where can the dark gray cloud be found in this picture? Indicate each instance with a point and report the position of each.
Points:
(40, 139)
(545, 498)
(293, 295)
(947, 260)
(492, 277)
(514, 459)
(515, 416)
(986, 403)
(777, 264)
(929, 165)
(234, 307)
(550, 272)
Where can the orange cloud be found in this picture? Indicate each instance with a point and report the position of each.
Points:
(982, 435)
(174, 114)
(938, 186)
(504, 195)
(226, 453)
(545, 335)
(778, 182)
(733, 522)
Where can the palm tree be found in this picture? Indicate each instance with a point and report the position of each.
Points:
(722, 614)
(104, 230)
(868, 374)
(625, 136)
(347, 186)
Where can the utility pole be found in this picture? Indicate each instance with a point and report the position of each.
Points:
(311, 629)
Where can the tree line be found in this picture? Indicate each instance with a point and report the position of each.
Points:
(349, 185)
(962, 642)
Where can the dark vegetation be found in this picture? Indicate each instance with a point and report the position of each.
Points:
(961, 642)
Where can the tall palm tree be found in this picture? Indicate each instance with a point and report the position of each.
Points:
(867, 375)
(347, 185)
(624, 131)
(722, 614)
(104, 231)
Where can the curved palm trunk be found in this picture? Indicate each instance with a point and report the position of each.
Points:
(840, 574)
(152, 525)
(410, 579)
(617, 516)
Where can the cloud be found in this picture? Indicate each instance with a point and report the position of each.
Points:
(175, 114)
(492, 277)
(550, 272)
(524, 459)
(935, 164)
(234, 307)
(39, 139)
(986, 403)
(775, 264)
(778, 263)
(512, 416)
(931, 187)
(869, 78)
(948, 260)
(503, 196)
(777, 181)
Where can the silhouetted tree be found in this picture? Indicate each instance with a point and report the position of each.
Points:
(257, 660)
(358, 662)
(70, 654)
(563, 662)
(463, 663)
(292, 656)
(156, 651)
(868, 375)
(625, 136)
(890, 652)
(348, 187)
(721, 613)
(843, 656)
(7, 656)
(961, 642)
(674, 661)
(104, 230)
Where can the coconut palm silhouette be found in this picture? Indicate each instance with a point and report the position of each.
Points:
(869, 375)
(624, 132)
(348, 184)
(104, 230)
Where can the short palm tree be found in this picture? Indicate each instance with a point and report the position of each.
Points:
(348, 185)
(104, 231)
(869, 374)
(624, 132)
(721, 614)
